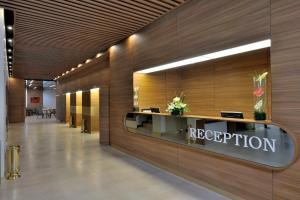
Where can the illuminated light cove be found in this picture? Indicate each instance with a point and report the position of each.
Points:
(219, 54)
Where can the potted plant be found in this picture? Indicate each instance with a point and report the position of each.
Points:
(260, 88)
(177, 106)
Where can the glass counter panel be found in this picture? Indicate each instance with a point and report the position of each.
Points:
(264, 144)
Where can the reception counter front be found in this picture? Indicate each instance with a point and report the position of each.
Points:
(258, 142)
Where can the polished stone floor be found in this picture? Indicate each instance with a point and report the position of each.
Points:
(59, 163)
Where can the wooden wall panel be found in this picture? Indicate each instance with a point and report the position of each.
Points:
(173, 37)
(198, 86)
(16, 100)
(162, 152)
(61, 107)
(104, 113)
(121, 99)
(152, 90)
(173, 84)
(207, 26)
(234, 82)
(95, 74)
(86, 109)
(157, 43)
(236, 178)
(73, 107)
(78, 108)
(285, 60)
(95, 106)
(68, 107)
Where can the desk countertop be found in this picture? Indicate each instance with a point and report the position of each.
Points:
(210, 117)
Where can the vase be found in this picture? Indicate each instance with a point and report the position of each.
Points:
(260, 96)
(177, 112)
(259, 115)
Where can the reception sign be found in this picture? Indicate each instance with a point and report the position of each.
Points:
(240, 140)
(257, 142)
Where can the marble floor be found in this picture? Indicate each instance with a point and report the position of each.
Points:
(59, 163)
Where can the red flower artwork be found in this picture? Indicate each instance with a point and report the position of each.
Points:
(259, 92)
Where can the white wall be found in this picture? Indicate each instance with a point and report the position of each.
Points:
(3, 82)
(49, 98)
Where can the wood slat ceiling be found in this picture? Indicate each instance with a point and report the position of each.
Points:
(52, 36)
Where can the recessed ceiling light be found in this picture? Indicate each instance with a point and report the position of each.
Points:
(9, 57)
(9, 28)
(132, 36)
(79, 65)
(94, 89)
(10, 40)
(219, 54)
(98, 55)
(63, 74)
(67, 72)
(9, 50)
(72, 69)
(88, 60)
(112, 47)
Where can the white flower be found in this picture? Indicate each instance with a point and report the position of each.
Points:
(177, 104)
(262, 76)
(258, 105)
(176, 99)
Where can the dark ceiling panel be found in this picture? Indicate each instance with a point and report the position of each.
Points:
(52, 36)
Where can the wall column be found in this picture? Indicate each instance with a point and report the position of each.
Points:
(16, 100)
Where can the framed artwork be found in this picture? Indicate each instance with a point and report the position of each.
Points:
(35, 99)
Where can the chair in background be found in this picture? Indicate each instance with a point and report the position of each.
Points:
(52, 112)
(39, 112)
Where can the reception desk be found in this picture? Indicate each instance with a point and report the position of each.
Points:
(240, 156)
(258, 142)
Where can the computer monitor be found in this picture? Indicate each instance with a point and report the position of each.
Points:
(231, 114)
(155, 110)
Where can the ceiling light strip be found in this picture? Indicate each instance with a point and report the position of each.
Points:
(219, 54)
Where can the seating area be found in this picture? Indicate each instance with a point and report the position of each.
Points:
(41, 113)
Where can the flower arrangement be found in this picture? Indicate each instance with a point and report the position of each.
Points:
(260, 95)
(177, 106)
(136, 99)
